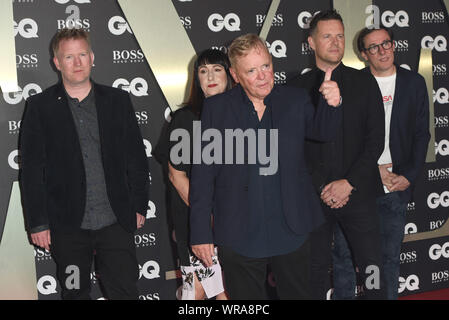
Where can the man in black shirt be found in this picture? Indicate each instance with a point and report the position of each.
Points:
(344, 171)
(84, 176)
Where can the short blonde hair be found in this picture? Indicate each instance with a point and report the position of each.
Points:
(241, 45)
(66, 34)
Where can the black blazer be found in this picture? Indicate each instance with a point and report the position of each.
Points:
(53, 181)
(222, 189)
(362, 133)
(409, 127)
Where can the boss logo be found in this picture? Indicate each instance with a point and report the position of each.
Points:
(142, 117)
(434, 200)
(436, 224)
(216, 22)
(27, 60)
(305, 48)
(437, 174)
(138, 86)
(439, 69)
(278, 20)
(27, 28)
(401, 45)
(74, 24)
(152, 296)
(440, 276)
(410, 228)
(41, 254)
(304, 19)
(437, 251)
(441, 95)
(150, 270)
(441, 121)
(410, 206)
(411, 283)
(277, 48)
(117, 26)
(439, 43)
(280, 77)
(408, 257)
(432, 17)
(186, 22)
(144, 240)
(14, 126)
(442, 148)
(388, 18)
(77, 1)
(125, 56)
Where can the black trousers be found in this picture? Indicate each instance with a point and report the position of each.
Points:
(115, 259)
(360, 226)
(245, 277)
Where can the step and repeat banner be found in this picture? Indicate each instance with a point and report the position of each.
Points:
(120, 62)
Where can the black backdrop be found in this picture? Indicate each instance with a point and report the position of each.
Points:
(214, 23)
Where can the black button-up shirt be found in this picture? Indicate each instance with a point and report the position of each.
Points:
(98, 212)
(269, 234)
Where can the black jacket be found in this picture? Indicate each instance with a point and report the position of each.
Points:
(53, 182)
(409, 127)
(222, 189)
(360, 139)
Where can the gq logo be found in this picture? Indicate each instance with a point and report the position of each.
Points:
(411, 283)
(151, 212)
(77, 1)
(434, 200)
(388, 18)
(148, 147)
(46, 285)
(138, 86)
(441, 95)
(304, 19)
(117, 26)
(27, 91)
(439, 43)
(277, 48)
(27, 28)
(150, 270)
(216, 22)
(436, 251)
(442, 148)
(410, 228)
(12, 159)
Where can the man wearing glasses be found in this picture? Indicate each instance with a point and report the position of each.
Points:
(406, 106)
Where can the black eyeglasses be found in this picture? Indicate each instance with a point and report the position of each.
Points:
(386, 45)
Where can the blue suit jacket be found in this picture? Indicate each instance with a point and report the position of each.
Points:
(222, 190)
(409, 128)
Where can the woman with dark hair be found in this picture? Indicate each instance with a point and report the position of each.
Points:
(210, 76)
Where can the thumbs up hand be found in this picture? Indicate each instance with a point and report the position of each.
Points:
(329, 89)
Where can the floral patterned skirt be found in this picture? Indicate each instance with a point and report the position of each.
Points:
(211, 278)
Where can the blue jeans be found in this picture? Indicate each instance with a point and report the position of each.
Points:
(391, 211)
